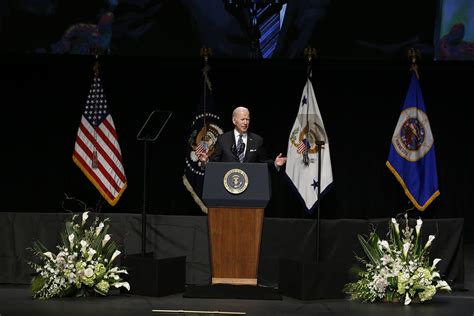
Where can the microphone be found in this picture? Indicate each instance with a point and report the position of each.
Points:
(233, 149)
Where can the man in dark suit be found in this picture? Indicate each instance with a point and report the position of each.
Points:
(240, 145)
(181, 28)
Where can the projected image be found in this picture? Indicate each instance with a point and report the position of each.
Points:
(255, 29)
(231, 28)
(456, 30)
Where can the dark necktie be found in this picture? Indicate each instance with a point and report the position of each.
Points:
(269, 25)
(241, 148)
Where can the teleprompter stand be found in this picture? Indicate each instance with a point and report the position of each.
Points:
(147, 275)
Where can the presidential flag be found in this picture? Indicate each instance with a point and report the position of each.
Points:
(412, 158)
(205, 128)
(97, 151)
(302, 155)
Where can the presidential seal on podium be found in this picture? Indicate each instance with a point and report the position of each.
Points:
(236, 181)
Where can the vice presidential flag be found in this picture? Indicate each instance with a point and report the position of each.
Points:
(412, 157)
(302, 155)
(205, 128)
(97, 151)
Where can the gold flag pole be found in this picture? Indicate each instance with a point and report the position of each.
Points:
(414, 54)
(310, 54)
(205, 53)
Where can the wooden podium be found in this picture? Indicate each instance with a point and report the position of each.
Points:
(235, 219)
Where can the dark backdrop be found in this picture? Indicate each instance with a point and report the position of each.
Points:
(360, 101)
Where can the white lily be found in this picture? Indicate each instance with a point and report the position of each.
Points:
(116, 253)
(395, 224)
(419, 222)
(84, 245)
(91, 252)
(435, 262)
(430, 240)
(384, 245)
(99, 228)
(116, 270)
(105, 240)
(71, 239)
(443, 285)
(49, 255)
(85, 216)
(407, 299)
(120, 284)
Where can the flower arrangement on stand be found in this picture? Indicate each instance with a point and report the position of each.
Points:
(84, 264)
(398, 269)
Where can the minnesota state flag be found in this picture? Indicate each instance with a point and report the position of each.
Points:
(412, 157)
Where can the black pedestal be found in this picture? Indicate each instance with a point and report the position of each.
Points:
(155, 277)
(311, 280)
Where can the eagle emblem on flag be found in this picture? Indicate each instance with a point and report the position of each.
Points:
(203, 140)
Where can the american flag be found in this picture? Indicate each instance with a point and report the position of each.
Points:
(97, 151)
(303, 146)
(201, 148)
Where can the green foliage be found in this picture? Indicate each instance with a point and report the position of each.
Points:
(397, 270)
(83, 266)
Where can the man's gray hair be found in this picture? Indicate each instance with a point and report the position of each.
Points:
(239, 109)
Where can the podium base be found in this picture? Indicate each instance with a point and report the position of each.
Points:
(311, 280)
(154, 277)
(235, 281)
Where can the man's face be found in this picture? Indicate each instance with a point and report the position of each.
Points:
(241, 121)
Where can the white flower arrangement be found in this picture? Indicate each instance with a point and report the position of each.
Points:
(83, 266)
(397, 270)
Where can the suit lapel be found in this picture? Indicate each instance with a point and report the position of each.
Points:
(233, 143)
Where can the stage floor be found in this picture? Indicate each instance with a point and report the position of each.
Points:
(16, 300)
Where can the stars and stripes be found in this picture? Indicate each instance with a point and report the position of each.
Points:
(303, 146)
(97, 151)
(201, 148)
